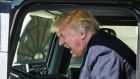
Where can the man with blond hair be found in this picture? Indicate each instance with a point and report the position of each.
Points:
(104, 55)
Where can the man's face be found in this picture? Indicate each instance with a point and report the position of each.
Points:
(71, 39)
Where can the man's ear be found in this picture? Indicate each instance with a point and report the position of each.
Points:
(83, 33)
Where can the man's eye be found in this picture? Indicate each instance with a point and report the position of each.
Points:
(62, 36)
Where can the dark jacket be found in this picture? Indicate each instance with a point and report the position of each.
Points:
(107, 57)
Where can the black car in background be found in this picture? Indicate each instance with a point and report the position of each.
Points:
(29, 45)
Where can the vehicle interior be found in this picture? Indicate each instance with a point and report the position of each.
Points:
(35, 52)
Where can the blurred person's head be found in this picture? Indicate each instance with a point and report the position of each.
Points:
(75, 28)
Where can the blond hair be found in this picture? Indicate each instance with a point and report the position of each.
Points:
(76, 20)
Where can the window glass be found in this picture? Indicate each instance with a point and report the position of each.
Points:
(75, 62)
(35, 37)
(128, 34)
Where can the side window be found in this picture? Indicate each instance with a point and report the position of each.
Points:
(35, 37)
(128, 34)
(76, 62)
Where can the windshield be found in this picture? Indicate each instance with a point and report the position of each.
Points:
(35, 37)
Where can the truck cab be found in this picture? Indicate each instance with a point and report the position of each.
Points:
(29, 44)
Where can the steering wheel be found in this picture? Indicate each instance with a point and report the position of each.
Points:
(18, 74)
